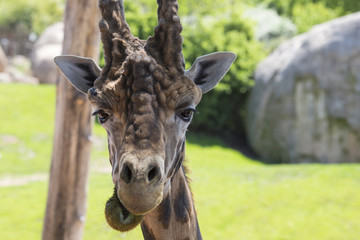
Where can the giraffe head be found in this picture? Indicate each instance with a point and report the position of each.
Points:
(145, 99)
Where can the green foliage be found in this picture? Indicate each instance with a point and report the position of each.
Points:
(29, 16)
(285, 7)
(306, 16)
(210, 26)
(223, 32)
(306, 13)
(141, 18)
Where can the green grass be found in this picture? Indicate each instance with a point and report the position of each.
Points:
(26, 127)
(236, 198)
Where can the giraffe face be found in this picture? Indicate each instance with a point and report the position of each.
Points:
(145, 113)
(145, 108)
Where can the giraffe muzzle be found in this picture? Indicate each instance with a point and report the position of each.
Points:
(140, 185)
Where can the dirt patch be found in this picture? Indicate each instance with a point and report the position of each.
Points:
(8, 139)
(11, 180)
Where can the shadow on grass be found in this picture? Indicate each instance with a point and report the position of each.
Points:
(241, 144)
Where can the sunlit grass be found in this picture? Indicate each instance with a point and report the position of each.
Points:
(236, 198)
(26, 127)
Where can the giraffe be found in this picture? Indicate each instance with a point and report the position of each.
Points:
(145, 100)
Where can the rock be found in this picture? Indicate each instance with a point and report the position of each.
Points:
(19, 77)
(305, 105)
(46, 48)
(19, 63)
(3, 61)
(18, 71)
(5, 77)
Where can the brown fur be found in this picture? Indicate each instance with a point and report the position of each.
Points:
(184, 227)
(142, 88)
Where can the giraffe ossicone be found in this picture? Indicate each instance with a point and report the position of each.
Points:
(145, 100)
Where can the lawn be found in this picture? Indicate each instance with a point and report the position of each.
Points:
(236, 197)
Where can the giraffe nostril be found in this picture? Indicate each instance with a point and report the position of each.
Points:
(154, 171)
(126, 174)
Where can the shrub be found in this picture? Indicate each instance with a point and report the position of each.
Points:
(205, 31)
(222, 109)
(310, 14)
(285, 7)
(306, 13)
(18, 19)
(33, 16)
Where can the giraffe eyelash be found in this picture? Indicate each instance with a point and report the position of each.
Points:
(187, 114)
(102, 116)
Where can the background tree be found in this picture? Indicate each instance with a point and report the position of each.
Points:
(66, 205)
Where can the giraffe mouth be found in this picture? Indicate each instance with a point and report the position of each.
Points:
(118, 217)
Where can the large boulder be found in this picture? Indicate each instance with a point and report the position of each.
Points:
(46, 48)
(305, 105)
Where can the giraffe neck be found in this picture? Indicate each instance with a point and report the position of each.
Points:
(175, 218)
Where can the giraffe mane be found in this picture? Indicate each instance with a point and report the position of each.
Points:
(119, 43)
(167, 35)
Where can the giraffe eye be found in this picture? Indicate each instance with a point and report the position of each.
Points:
(187, 114)
(102, 116)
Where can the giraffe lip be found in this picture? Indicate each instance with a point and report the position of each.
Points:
(126, 215)
(118, 217)
(125, 212)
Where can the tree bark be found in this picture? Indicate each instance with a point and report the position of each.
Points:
(66, 204)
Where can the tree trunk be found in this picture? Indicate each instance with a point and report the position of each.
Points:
(66, 204)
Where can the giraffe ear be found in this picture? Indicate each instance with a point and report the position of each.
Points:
(208, 70)
(80, 71)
